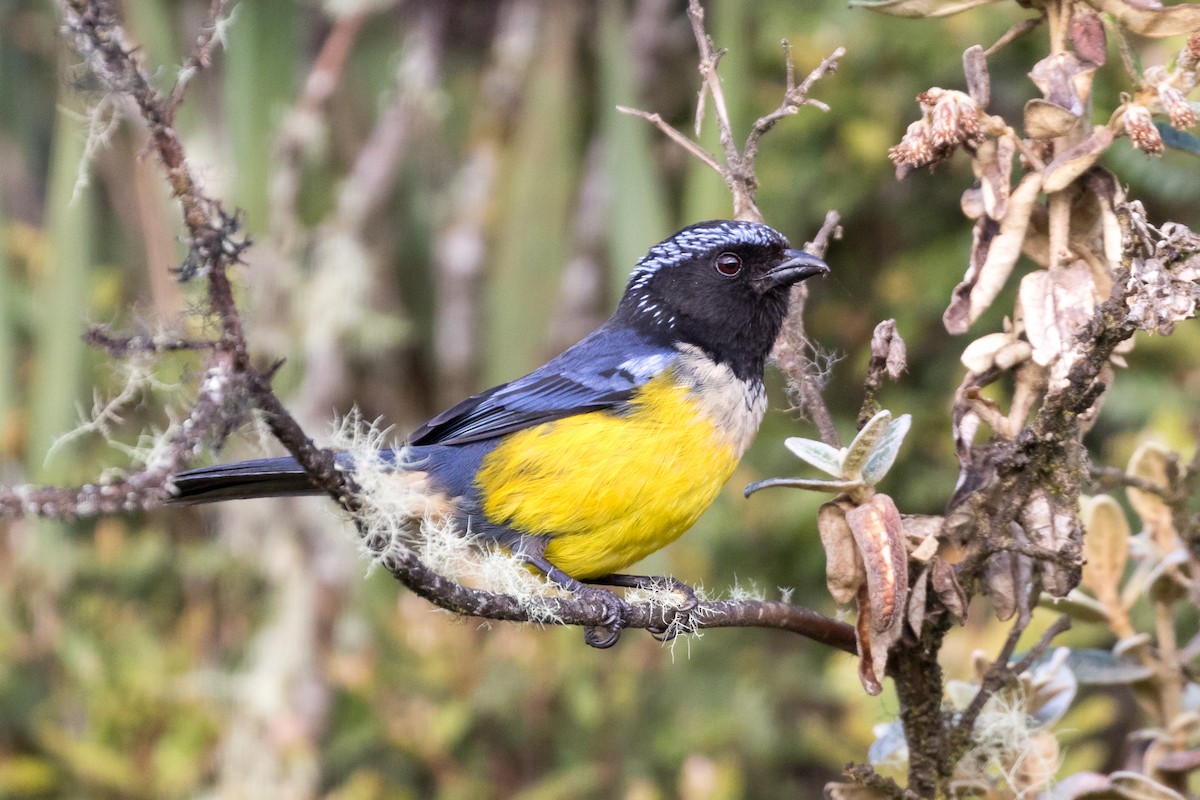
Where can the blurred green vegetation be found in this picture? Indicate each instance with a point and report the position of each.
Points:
(149, 656)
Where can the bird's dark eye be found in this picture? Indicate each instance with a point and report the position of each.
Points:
(729, 264)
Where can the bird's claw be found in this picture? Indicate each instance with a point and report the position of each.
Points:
(678, 619)
(607, 633)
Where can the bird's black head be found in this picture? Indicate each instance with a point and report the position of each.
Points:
(721, 285)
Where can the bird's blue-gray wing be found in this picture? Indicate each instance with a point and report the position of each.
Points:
(601, 371)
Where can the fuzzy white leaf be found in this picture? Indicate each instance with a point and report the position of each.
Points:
(820, 455)
(886, 449)
(864, 443)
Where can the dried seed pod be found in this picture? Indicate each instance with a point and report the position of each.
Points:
(845, 573)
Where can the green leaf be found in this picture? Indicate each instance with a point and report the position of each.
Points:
(886, 449)
(1179, 140)
(864, 444)
(820, 455)
(1101, 668)
(1076, 605)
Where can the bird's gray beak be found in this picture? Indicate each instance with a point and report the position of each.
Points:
(799, 265)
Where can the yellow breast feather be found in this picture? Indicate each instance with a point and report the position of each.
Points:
(609, 489)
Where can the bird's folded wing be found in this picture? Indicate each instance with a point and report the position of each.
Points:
(600, 372)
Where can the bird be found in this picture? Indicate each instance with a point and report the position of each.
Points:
(614, 448)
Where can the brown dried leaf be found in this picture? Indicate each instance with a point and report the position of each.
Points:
(1045, 120)
(980, 355)
(872, 655)
(919, 8)
(845, 573)
(971, 202)
(880, 539)
(957, 317)
(1055, 528)
(1054, 307)
(1087, 35)
(887, 344)
(1106, 548)
(1065, 81)
(1149, 463)
(1135, 786)
(1000, 583)
(1005, 248)
(979, 84)
(1182, 761)
(917, 599)
(1176, 20)
(1071, 163)
(945, 585)
(993, 167)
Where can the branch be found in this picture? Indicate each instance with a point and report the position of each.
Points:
(738, 171)
(232, 386)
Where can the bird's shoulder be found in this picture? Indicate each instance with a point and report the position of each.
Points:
(601, 371)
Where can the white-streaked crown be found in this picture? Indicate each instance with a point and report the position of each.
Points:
(692, 243)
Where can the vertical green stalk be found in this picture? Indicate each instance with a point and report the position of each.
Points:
(537, 204)
(61, 297)
(260, 81)
(8, 359)
(639, 209)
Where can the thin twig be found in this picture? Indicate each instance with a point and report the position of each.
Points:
(677, 137)
(200, 58)
(1018, 30)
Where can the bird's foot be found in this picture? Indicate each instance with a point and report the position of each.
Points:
(607, 633)
(675, 619)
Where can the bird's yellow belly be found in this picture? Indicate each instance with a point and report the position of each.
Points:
(610, 489)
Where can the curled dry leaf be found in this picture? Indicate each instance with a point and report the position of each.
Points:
(872, 649)
(979, 83)
(1006, 577)
(1045, 120)
(883, 599)
(1054, 305)
(1087, 35)
(880, 538)
(993, 167)
(1081, 786)
(1145, 20)
(887, 344)
(1105, 547)
(917, 601)
(1073, 162)
(1065, 81)
(944, 584)
(1055, 528)
(845, 573)
(1003, 350)
(1000, 253)
(1136, 786)
(1149, 463)
(971, 202)
(919, 8)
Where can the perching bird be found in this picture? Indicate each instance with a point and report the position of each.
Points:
(614, 448)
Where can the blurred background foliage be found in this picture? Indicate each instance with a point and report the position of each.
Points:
(442, 195)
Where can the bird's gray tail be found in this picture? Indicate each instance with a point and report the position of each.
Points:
(261, 477)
